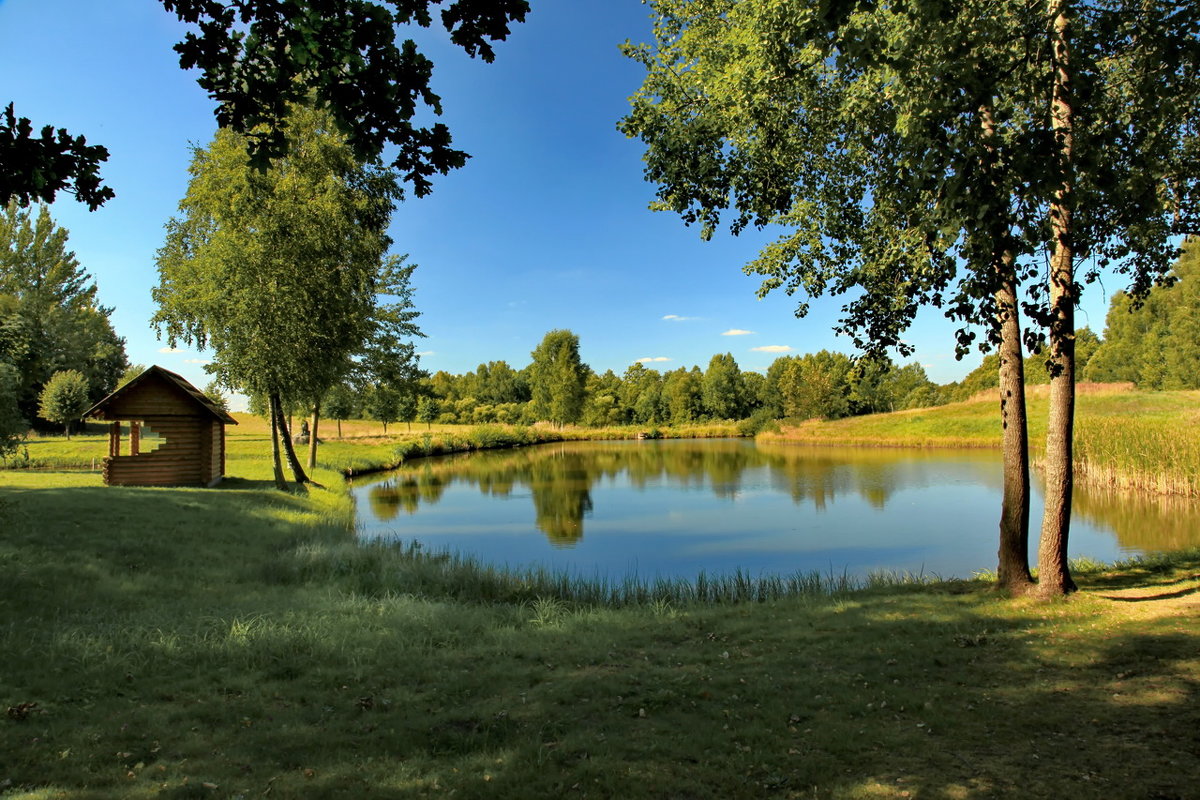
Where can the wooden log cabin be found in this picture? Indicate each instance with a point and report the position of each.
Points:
(176, 435)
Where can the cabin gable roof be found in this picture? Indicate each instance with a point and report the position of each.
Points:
(109, 407)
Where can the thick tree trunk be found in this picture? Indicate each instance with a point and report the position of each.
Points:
(1013, 571)
(1012, 574)
(288, 450)
(1054, 576)
(277, 467)
(312, 435)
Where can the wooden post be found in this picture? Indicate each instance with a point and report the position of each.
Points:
(114, 439)
(135, 438)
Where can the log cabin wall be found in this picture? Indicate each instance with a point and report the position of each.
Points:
(190, 432)
(174, 463)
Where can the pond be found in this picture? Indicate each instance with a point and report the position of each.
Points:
(676, 508)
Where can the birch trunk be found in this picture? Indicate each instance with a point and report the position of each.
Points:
(288, 450)
(277, 467)
(312, 435)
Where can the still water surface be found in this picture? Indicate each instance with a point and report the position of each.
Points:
(674, 508)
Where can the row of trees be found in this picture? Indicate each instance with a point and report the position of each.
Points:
(1155, 344)
(58, 350)
(557, 386)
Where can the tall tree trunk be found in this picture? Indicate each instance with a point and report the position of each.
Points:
(1013, 571)
(312, 435)
(339, 422)
(277, 467)
(1054, 576)
(288, 450)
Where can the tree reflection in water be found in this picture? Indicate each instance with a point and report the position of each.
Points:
(561, 479)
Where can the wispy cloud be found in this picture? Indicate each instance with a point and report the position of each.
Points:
(424, 353)
(170, 350)
(737, 332)
(772, 348)
(196, 361)
(677, 318)
(654, 360)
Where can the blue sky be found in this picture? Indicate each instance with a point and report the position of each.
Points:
(546, 227)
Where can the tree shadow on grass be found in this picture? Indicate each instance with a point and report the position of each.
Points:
(315, 690)
(919, 695)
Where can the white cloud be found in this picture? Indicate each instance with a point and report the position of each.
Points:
(656, 359)
(424, 353)
(195, 361)
(677, 318)
(169, 350)
(772, 348)
(737, 332)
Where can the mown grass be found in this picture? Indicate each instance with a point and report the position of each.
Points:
(238, 642)
(1123, 439)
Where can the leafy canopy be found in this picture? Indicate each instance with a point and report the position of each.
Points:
(278, 271)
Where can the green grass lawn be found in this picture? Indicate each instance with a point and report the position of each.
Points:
(236, 642)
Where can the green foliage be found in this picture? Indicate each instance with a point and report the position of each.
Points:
(340, 402)
(683, 395)
(896, 145)
(64, 398)
(557, 378)
(278, 271)
(12, 425)
(1155, 345)
(383, 403)
(214, 391)
(427, 409)
(257, 60)
(49, 318)
(131, 372)
(724, 390)
(39, 167)
(812, 385)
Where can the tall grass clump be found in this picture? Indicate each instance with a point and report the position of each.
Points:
(1156, 454)
(380, 568)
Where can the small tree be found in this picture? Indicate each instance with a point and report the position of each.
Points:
(406, 408)
(64, 398)
(339, 404)
(557, 378)
(383, 404)
(723, 388)
(213, 391)
(427, 410)
(131, 372)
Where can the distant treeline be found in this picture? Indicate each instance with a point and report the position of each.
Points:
(1155, 346)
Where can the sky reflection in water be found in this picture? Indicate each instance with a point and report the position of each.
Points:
(674, 508)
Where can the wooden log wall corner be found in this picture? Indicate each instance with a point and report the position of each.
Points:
(189, 426)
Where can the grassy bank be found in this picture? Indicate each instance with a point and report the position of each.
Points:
(1123, 439)
(362, 446)
(236, 643)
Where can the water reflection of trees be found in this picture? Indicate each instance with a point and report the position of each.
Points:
(1141, 522)
(560, 477)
